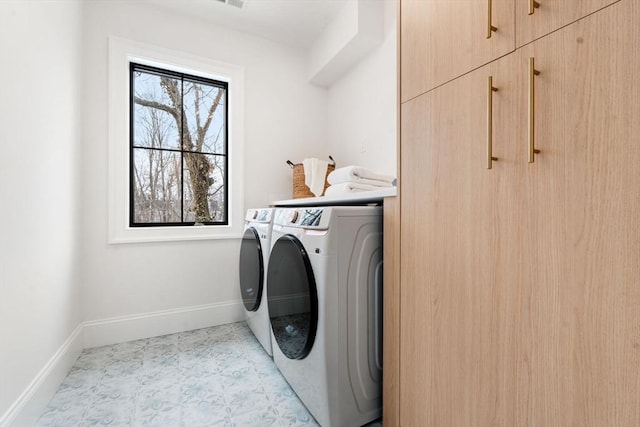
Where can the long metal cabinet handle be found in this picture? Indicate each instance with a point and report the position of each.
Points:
(533, 5)
(532, 109)
(490, 90)
(490, 27)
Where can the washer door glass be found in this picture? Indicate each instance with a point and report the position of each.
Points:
(251, 269)
(292, 297)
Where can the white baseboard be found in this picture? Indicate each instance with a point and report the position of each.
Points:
(128, 328)
(26, 410)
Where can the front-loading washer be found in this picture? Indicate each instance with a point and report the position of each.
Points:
(254, 256)
(324, 291)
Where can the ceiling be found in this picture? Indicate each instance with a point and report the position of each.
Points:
(293, 22)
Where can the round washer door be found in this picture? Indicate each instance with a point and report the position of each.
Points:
(251, 269)
(292, 297)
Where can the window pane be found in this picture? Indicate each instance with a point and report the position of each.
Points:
(204, 189)
(179, 144)
(204, 111)
(156, 186)
(157, 103)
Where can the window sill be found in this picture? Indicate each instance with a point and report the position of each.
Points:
(172, 234)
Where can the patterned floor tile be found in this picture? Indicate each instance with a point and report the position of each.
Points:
(118, 412)
(158, 409)
(263, 417)
(213, 377)
(204, 413)
(294, 414)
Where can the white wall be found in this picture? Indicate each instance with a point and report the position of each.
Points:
(40, 46)
(286, 118)
(362, 107)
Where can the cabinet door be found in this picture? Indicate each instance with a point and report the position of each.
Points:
(443, 39)
(459, 299)
(582, 230)
(550, 15)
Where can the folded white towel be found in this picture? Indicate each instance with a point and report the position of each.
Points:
(357, 174)
(315, 173)
(349, 187)
(367, 181)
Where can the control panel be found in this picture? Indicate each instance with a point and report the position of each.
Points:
(259, 215)
(302, 217)
(264, 215)
(311, 217)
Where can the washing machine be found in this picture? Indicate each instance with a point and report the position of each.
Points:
(254, 256)
(324, 292)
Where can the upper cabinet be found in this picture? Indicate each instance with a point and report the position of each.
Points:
(443, 39)
(534, 18)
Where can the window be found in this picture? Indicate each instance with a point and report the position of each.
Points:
(175, 145)
(178, 148)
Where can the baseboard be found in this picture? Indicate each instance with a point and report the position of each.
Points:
(26, 410)
(128, 328)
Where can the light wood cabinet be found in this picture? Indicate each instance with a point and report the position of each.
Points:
(456, 300)
(443, 39)
(583, 206)
(520, 285)
(549, 15)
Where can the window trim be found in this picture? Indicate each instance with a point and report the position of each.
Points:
(121, 53)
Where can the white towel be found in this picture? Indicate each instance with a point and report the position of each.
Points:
(315, 173)
(367, 181)
(349, 187)
(359, 174)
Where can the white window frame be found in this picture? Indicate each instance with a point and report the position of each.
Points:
(121, 53)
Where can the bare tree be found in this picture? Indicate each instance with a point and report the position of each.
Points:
(199, 167)
(156, 182)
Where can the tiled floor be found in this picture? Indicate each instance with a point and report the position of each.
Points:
(216, 376)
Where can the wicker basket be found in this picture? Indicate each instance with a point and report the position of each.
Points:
(300, 189)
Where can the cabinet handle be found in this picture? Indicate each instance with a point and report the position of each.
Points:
(533, 5)
(490, 27)
(490, 90)
(532, 109)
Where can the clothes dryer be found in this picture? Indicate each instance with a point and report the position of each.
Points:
(324, 291)
(254, 256)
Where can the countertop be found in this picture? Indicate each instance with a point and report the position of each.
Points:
(360, 198)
